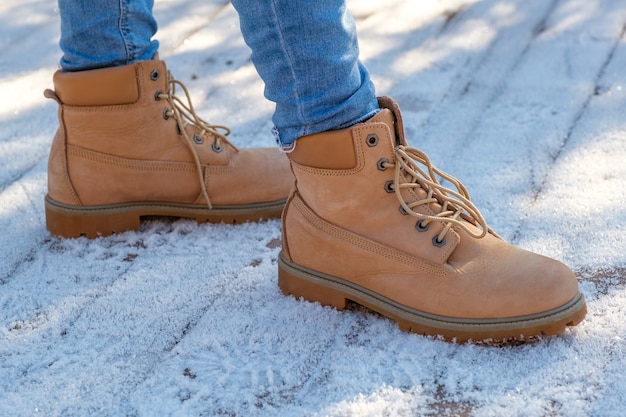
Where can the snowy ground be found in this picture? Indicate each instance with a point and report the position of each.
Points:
(524, 100)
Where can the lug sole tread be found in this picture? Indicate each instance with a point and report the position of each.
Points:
(103, 220)
(336, 292)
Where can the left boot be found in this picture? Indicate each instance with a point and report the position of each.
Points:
(130, 145)
(369, 222)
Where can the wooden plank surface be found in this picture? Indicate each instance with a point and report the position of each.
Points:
(523, 100)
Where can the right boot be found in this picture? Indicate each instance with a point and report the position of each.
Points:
(128, 147)
(368, 221)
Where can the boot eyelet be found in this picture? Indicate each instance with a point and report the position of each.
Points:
(199, 139)
(166, 113)
(403, 211)
(155, 74)
(381, 164)
(216, 148)
(389, 186)
(371, 140)
(180, 132)
(421, 227)
(438, 243)
(157, 94)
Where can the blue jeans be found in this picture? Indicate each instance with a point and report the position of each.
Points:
(106, 33)
(306, 52)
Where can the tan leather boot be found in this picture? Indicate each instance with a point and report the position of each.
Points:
(129, 147)
(369, 222)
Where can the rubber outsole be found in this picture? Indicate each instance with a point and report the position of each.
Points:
(98, 221)
(336, 292)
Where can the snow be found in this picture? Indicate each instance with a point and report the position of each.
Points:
(523, 100)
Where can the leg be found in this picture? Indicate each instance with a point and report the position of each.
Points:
(130, 144)
(106, 33)
(307, 55)
(368, 220)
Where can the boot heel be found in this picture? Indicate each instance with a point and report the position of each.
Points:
(64, 222)
(290, 284)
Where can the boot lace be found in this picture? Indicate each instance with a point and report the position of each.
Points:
(185, 115)
(456, 207)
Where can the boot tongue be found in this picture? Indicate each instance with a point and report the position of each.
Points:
(392, 117)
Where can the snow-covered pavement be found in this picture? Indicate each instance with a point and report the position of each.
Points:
(523, 100)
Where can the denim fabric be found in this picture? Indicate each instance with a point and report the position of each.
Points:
(105, 33)
(306, 52)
